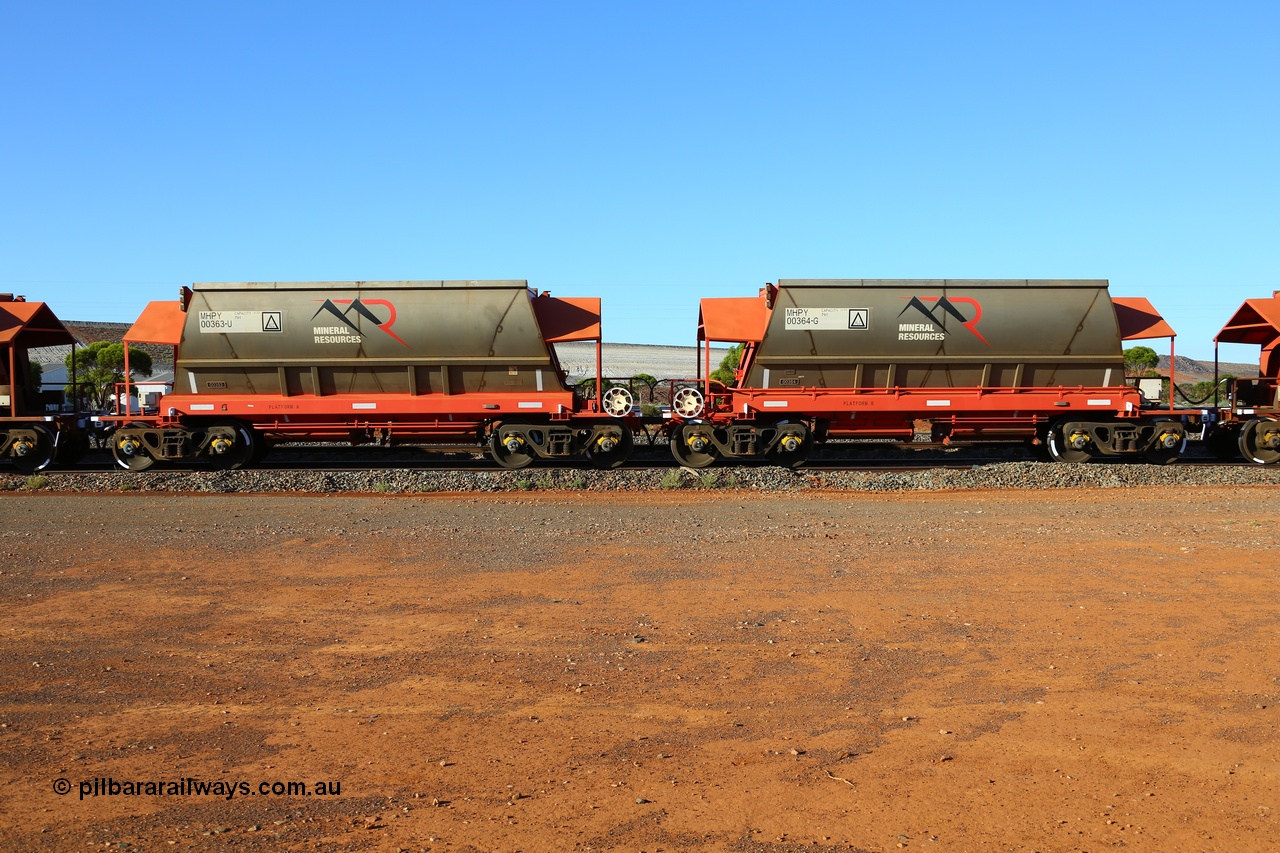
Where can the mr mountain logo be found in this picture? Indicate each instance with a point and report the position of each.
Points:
(349, 316)
(937, 313)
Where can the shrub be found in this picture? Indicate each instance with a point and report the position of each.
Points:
(726, 373)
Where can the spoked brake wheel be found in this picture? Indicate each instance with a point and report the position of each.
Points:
(687, 402)
(617, 401)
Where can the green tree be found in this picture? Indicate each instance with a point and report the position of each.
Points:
(644, 386)
(99, 366)
(37, 374)
(1138, 360)
(726, 373)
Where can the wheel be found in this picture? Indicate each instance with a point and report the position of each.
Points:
(1169, 444)
(617, 401)
(1062, 447)
(1162, 455)
(130, 451)
(687, 402)
(33, 452)
(1260, 441)
(611, 449)
(793, 447)
(1040, 451)
(509, 447)
(72, 447)
(691, 445)
(261, 449)
(1223, 444)
(230, 445)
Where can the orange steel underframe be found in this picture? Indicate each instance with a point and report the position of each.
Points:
(338, 414)
(880, 412)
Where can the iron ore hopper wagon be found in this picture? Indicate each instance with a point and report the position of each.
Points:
(1249, 424)
(470, 365)
(33, 432)
(925, 363)
(440, 362)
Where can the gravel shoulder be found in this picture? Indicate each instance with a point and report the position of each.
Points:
(391, 480)
(666, 670)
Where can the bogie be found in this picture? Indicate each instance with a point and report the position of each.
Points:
(518, 444)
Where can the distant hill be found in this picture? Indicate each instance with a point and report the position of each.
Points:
(1190, 370)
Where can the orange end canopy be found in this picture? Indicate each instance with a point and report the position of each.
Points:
(733, 320)
(1257, 321)
(1138, 319)
(572, 319)
(160, 323)
(32, 324)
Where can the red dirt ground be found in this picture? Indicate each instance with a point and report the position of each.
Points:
(1050, 671)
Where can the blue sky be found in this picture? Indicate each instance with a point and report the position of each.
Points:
(647, 153)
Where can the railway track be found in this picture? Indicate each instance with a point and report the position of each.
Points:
(347, 460)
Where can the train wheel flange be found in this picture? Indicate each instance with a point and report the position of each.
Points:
(1260, 441)
(32, 450)
(610, 449)
(692, 446)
